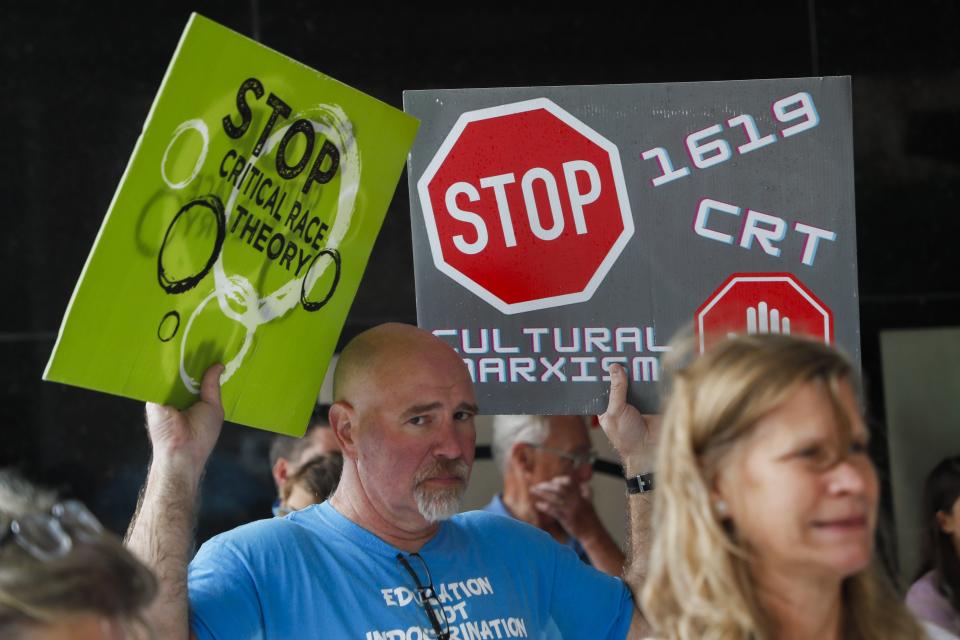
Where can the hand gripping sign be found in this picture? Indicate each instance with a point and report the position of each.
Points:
(526, 222)
(525, 254)
(238, 234)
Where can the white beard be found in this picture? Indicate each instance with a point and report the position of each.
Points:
(441, 503)
(438, 504)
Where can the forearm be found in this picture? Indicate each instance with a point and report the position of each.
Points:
(634, 436)
(603, 551)
(161, 535)
(639, 538)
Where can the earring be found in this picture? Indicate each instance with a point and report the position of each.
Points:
(720, 506)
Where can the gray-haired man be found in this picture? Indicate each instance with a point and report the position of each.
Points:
(547, 463)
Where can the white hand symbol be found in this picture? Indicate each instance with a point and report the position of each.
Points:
(760, 321)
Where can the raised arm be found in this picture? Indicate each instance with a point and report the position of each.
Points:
(634, 437)
(161, 532)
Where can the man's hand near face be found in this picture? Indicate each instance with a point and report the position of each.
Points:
(570, 502)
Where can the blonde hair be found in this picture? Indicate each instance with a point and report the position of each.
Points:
(699, 584)
(97, 576)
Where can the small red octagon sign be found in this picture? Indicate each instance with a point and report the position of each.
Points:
(526, 206)
(762, 303)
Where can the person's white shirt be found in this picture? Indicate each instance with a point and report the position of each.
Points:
(937, 633)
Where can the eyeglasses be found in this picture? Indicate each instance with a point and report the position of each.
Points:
(578, 459)
(428, 596)
(47, 536)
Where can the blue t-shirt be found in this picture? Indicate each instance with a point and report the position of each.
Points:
(497, 506)
(316, 574)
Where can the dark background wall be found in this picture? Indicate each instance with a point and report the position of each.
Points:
(77, 80)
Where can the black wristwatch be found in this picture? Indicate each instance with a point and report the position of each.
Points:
(640, 484)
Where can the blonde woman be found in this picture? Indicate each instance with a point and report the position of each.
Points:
(62, 577)
(766, 502)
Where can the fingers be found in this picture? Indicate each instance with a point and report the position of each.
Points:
(210, 386)
(552, 504)
(558, 493)
(554, 485)
(585, 492)
(556, 481)
(550, 492)
(546, 496)
(564, 504)
(618, 393)
(550, 509)
(549, 495)
(156, 413)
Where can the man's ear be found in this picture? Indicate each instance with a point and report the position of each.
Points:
(280, 471)
(343, 422)
(521, 458)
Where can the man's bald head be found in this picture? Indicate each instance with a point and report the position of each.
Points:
(373, 350)
(403, 414)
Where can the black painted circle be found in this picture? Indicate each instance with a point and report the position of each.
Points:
(314, 306)
(215, 206)
(285, 170)
(176, 327)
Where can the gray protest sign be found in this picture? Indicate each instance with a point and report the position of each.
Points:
(559, 230)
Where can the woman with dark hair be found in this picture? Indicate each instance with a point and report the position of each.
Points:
(935, 596)
(61, 575)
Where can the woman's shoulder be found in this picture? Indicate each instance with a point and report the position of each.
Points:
(924, 587)
(932, 608)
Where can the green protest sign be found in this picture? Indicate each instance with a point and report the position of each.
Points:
(239, 234)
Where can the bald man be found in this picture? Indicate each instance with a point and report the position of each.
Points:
(387, 556)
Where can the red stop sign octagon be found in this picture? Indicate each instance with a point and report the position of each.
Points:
(525, 206)
(762, 303)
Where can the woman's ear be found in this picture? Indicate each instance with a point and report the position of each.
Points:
(720, 493)
(721, 508)
(945, 522)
